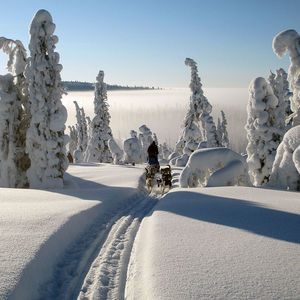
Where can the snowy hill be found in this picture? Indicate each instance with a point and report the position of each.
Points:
(218, 243)
(198, 243)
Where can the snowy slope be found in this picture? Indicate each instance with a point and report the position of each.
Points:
(37, 227)
(218, 243)
(83, 241)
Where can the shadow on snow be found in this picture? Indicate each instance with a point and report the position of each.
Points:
(234, 213)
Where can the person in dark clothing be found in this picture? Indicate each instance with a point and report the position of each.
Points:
(152, 154)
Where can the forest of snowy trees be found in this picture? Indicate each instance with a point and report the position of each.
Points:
(35, 150)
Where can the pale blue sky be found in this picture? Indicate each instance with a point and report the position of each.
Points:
(145, 42)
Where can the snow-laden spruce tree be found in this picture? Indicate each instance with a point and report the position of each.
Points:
(166, 151)
(145, 138)
(73, 141)
(14, 117)
(289, 40)
(222, 133)
(277, 84)
(282, 76)
(262, 132)
(133, 153)
(286, 168)
(82, 133)
(98, 148)
(46, 141)
(199, 112)
(116, 151)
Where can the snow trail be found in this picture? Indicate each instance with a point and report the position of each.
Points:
(107, 276)
(96, 266)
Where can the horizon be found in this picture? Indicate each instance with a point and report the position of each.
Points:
(145, 44)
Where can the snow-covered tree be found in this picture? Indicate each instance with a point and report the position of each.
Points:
(289, 40)
(14, 117)
(73, 141)
(82, 133)
(286, 168)
(277, 84)
(145, 138)
(280, 73)
(222, 133)
(117, 152)
(46, 141)
(154, 137)
(199, 112)
(98, 148)
(133, 150)
(262, 132)
(166, 151)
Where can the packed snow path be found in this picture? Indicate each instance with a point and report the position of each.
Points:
(107, 276)
(95, 267)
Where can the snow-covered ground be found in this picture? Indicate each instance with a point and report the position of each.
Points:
(49, 238)
(199, 243)
(218, 243)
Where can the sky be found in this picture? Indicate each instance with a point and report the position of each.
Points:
(145, 42)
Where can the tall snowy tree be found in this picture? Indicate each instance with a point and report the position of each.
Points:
(277, 84)
(73, 141)
(224, 133)
(14, 117)
(199, 111)
(289, 40)
(98, 147)
(262, 131)
(145, 138)
(46, 141)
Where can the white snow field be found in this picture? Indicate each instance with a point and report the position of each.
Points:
(102, 237)
(49, 238)
(218, 243)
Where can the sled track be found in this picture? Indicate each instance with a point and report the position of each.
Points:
(96, 267)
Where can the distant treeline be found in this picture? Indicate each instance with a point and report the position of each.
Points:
(88, 86)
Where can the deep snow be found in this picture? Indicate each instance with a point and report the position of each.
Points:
(218, 243)
(199, 243)
(38, 227)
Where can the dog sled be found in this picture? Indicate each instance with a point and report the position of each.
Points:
(158, 176)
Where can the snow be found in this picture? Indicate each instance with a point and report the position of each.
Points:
(133, 149)
(102, 238)
(263, 131)
(48, 161)
(225, 166)
(286, 172)
(38, 226)
(288, 40)
(218, 243)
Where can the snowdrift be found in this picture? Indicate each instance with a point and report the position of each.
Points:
(215, 167)
(38, 226)
(218, 243)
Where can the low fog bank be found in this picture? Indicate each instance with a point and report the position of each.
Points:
(163, 111)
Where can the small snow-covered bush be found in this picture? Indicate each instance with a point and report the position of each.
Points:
(133, 149)
(286, 168)
(116, 151)
(204, 163)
